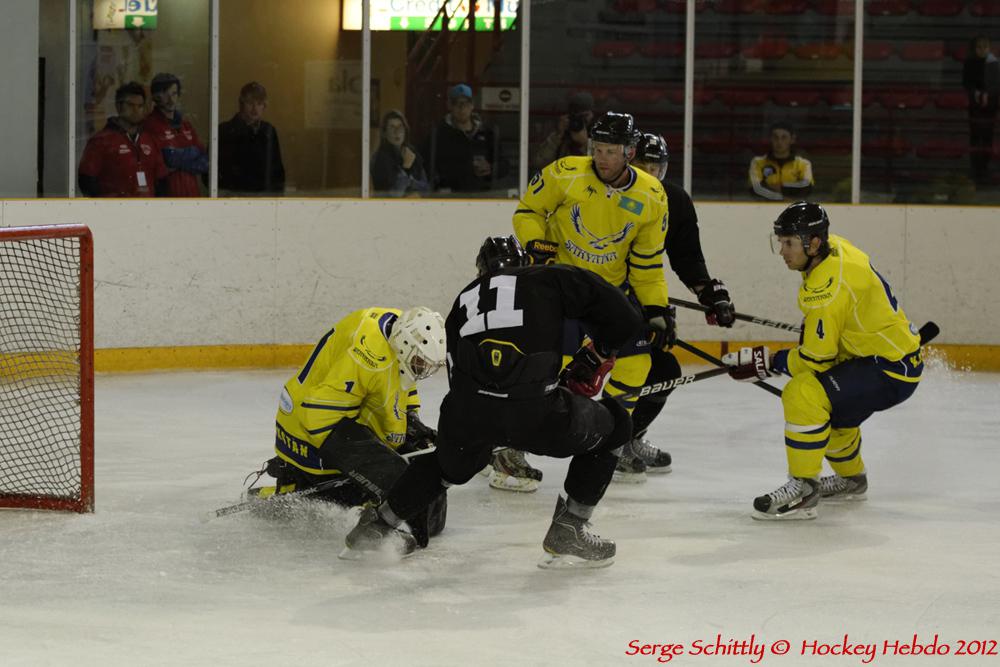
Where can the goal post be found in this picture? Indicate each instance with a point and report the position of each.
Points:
(47, 368)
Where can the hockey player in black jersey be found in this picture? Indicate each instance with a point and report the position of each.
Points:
(683, 249)
(504, 338)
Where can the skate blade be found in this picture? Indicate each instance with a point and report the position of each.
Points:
(794, 515)
(629, 477)
(516, 484)
(386, 554)
(663, 470)
(849, 498)
(564, 562)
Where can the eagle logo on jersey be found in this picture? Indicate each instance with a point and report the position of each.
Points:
(596, 242)
(822, 288)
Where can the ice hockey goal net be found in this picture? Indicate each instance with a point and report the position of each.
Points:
(46, 368)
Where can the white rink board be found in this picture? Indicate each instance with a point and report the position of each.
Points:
(257, 271)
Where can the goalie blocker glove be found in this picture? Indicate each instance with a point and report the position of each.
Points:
(750, 364)
(662, 323)
(541, 251)
(586, 371)
(714, 295)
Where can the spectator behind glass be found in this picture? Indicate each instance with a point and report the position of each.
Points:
(780, 173)
(397, 170)
(249, 154)
(981, 80)
(570, 137)
(123, 160)
(464, 152)
(183, 153)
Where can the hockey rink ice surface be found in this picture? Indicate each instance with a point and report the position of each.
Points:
(143, 581)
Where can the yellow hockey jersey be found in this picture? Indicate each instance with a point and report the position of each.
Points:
(616, 233)
(352, 373)
(775, 179)
(850, 311)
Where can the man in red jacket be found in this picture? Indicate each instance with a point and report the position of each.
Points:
(122, 160)
(183, 153)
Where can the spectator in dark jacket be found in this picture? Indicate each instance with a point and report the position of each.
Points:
(183, 152)
(981, 79)
(249, 154)
(397, 169)
(464, 153)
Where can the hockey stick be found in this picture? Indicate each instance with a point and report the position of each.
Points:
(667, 385)
(928, 332)
(718, 362)
(740, 316)
(322, 486)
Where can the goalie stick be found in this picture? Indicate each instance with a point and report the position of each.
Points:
(322, 486)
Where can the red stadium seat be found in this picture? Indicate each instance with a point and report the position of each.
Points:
(951, 99)
(767, 49)
(680, 6)
(834, 7)
(613, 49)
(885, 147)
(786, 7)
(868, 98)
(640, 96)
(662, 49)
(830, 146)
(940, 7)
(903, 99)
(985, 8)
(819, 51)
(739, 6)
(874, 50)
(887, 7)
(796, 98)
(839, 97)
(744, 97)
(710, 50)
(702, 96)
(922, 51)
(943, 149)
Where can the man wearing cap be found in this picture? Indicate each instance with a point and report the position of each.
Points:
(464, 153)
(570, 136)
(182, 151)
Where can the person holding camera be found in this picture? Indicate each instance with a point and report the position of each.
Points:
(570, 137)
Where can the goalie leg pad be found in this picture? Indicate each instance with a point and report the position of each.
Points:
(355, 451)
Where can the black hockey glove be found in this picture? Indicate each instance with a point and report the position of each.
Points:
(418, 434)
(662, 323)
(541, 251)
(713, 294)
(585, 373)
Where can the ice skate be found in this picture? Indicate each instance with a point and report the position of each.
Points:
(837, 488)
(569, 544)
(796, 500)
(657, 461)
(511, 472)
(372, 535)
(629, 469)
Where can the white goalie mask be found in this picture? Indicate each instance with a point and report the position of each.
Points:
(418, 340)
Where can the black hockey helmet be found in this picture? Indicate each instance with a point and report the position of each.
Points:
(500, 252)
(615, 128)
(805, 220)
(652, 149)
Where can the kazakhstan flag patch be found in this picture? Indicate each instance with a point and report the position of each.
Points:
(631, 205)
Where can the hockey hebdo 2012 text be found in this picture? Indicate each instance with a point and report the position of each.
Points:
(756, 649)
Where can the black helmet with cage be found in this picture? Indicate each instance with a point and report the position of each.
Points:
(500, 252)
